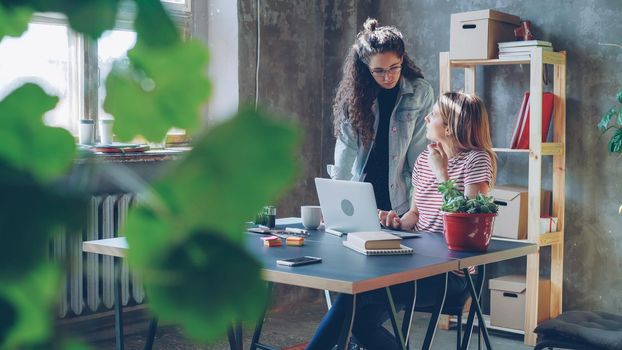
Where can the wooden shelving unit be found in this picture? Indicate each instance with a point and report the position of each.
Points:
(537, 149)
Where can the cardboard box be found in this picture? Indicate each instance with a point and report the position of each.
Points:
(475, 35)
(507, 301)
(512, 219)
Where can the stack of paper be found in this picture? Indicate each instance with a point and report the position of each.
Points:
(272, 241)
(513, 50)
(295, 241)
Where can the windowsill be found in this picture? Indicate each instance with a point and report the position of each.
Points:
(154, 155)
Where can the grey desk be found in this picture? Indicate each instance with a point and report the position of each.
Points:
(346, 271)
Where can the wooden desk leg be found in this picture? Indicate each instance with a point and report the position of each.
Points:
(393, 316)
(475, 308)
(438, 308)
(346, 327)
(118, 305)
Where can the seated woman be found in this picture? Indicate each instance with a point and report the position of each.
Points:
(461, 150)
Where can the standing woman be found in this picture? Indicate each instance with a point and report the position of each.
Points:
(379, 110)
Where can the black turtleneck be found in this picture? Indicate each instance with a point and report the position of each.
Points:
(377, 167)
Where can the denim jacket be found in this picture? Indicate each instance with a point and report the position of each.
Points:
(406, 141)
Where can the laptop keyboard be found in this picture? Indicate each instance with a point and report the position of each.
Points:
(401, 234)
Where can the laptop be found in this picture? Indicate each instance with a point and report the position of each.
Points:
(349, 206)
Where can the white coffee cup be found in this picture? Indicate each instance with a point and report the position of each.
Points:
(105, 131)
(86, 132)
(311, 216)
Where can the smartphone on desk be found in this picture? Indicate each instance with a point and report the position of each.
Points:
(303, 260)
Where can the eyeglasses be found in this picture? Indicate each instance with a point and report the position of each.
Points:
(379, 72)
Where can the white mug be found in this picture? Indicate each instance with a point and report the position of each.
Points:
(311, 216)
(86, 132)
(105, 131)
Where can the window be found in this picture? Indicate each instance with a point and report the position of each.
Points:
(67, 65)
(44, 54)
(112, 46)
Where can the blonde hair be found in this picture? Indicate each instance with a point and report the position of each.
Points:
(467, 120)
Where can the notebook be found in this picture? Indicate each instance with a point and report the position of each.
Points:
(374, 240)
(403, 250)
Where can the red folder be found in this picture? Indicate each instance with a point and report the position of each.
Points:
(520, 118)
(522, 138)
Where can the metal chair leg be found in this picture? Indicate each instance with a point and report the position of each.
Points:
(346, 327)
(153, 328)
(258, 327)
(409, 313)
(429, 335)
(458, 331)
(118, 305)
(397, 331)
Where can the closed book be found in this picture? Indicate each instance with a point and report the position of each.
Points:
(547, 114)
(374, 240)
(524, 49)
(402, 250)
(519, 120)
(524, 43)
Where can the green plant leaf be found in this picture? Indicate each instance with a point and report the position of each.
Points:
(91, 17)
(32, 297)
(25, 241)
(619, 96)
(166, 87)
(185, 234)
(615, 144)
(14, 20)
(604, 121)
(245, 163)
(153, 25)
(28, 144)
(620, 116)
(205, 283)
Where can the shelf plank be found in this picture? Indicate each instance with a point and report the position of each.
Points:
(552, 148)
(510, 150)
(548, 57)
(548, 149)
(488, 62)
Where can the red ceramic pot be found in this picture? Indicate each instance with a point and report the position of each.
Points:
(468, 232)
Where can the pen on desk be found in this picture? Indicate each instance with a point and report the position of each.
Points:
(333, 232)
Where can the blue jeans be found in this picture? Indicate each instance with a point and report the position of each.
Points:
(372, 311)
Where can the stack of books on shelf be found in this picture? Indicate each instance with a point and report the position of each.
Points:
(513, 50)
(376, 243)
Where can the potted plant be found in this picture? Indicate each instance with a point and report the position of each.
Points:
(467, 222)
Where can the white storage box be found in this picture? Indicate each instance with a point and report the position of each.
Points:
(507, 301)
(512, 219)
(475, 35)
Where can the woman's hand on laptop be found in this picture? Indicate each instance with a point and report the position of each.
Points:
(389, 219)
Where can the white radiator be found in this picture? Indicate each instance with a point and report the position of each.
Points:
(89, 278)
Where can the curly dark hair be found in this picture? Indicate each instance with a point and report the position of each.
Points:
(357, 89)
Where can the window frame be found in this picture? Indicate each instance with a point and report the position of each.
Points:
(83, 65)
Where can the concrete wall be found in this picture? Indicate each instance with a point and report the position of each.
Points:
(303, 45)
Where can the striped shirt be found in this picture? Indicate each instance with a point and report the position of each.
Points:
(466, 168)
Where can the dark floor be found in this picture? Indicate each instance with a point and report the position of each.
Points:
(284, 327)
